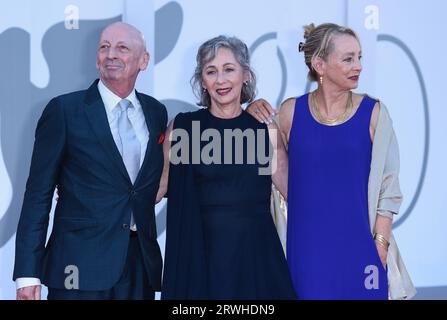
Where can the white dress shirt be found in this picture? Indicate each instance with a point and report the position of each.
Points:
(138, 121)
(136, 116)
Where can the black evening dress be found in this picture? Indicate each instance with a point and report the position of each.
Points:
(221, 242)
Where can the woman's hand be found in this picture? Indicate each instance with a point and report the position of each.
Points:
(262, 111)
(383, 228)
(383, 253)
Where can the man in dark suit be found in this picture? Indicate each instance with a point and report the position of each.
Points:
(102, 149)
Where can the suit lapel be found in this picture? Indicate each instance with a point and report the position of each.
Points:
(96, 114)
(149, 117)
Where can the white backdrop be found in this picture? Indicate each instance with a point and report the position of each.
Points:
(402, 66)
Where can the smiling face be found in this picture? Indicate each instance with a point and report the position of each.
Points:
(223, 78)
(342, 66)
(121, 55)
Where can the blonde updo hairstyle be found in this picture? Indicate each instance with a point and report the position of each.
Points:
(319, 43)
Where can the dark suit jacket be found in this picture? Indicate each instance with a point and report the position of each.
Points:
(75, 151)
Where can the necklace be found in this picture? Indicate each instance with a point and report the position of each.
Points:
(331, 122)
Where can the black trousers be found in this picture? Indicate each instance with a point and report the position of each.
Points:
(132, 285)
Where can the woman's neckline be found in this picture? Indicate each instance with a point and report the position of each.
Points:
(337, 125)
(225, 119)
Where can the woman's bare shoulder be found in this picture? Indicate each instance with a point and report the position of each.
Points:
(375, 111)
(285, 115)
(287, 107)
(289, 103)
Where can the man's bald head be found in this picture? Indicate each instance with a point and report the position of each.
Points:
(121, 56)
(133, 33)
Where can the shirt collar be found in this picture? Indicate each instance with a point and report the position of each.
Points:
(111, 100)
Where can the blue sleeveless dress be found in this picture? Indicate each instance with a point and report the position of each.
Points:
(330, 250)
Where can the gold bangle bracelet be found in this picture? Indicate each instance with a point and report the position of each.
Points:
(382, 240)
(382, 244)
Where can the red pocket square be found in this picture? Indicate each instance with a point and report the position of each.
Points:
(161, 138)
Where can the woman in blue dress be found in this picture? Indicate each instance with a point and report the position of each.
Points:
(338, 234)
(221, 242)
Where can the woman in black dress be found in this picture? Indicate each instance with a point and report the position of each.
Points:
(221, 241)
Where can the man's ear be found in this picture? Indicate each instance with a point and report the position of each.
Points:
(145, 61)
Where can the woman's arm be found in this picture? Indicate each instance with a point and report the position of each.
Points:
(374, 120)
(383, 228)
(280, 161)
(390, 196)
(285, 119)
(163, 188)
(280, 131)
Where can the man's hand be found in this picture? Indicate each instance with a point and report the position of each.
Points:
(262, 111)
(29, 293)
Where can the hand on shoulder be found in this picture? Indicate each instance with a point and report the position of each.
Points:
(262, 111)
